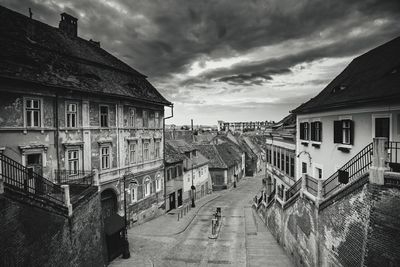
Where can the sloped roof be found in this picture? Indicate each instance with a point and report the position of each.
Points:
(211, 153)
(228, 154)
(181, 146)
(171, 155)
(246, 148)
(373, 77)
(36, 52)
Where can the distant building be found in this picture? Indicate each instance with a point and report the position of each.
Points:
(195, 170)
(280, 158)
(242, 126)
(174, 164)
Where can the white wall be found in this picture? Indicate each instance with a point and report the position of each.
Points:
(328, 157)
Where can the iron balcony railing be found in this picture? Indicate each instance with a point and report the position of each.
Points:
(271, 196)
(311, 185)
(293, 189)
(393, 149)
(349, 172)
(77, 177)
(22, 179)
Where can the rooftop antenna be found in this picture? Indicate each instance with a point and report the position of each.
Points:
(30, 13)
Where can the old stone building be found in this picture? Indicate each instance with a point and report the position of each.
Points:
(68, 107)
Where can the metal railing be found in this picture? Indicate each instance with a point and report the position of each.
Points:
(294, 189)
(271, 196)
(353, 169)
(74, 177)
(393, 152)
(22, 179)
(311, 185)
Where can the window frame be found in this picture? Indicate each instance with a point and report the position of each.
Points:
(146, 186)
(69, 112)
(105, 155)
(77, 160)
(132, 119)
(146, 156)
(101, 116)
(145, 118)
(39, 109)
(133, 160)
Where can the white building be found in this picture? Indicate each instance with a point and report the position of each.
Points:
(360, 103)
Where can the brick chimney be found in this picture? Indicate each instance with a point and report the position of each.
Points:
(69, 24)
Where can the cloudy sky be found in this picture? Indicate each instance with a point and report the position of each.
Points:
(230, 60)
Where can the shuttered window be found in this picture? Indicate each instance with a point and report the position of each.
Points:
(343, 132)
(304, 131)
(316, 131)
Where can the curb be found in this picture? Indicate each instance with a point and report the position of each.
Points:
(195, 214)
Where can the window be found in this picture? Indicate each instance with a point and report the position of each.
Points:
(103, 116)
(287, 161)
(318, 173)
(132, 117)
(145, 116)
(158, 182)
(316, 131)
(303, 167)
(343, 132)
(105, 157)
(278, 159)
(73, 161)
(194, 153)
(157, 119)
(304, 131)
(134, 188)
(282, 160)
(157, 149)
(32, 112)
(275, 157)
(132, 152)
(146, 151)
(71, 115)
(147, 187)
(292, 165)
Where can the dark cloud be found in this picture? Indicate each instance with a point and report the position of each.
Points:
(163, 38)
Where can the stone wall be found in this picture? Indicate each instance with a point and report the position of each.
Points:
(359, 227)
(31, 236)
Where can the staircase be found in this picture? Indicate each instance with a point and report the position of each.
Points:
(23, 184)
(349, 172)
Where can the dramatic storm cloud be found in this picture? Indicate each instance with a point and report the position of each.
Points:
(230, 60)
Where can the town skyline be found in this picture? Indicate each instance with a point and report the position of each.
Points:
(200, 57)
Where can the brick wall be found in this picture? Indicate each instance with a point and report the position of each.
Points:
(383, 246)
(34, 237)
(358, 227)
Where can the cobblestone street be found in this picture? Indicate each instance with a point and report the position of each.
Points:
(243, 239)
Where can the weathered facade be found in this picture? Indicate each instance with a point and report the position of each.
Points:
(68, 107)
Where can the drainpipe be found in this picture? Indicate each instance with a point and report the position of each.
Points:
(165, 174)
(56, 136)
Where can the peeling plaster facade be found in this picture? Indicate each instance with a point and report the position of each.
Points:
(52, 140)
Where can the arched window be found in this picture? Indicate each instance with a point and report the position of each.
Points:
(146, 186)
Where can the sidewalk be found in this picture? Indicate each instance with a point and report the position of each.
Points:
(168, 224)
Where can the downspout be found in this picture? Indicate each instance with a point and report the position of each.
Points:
(56, 136)
(164, 163)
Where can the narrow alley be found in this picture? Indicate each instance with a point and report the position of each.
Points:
(243, 239)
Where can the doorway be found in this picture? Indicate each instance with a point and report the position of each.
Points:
(172, 201)
(180, 197)
(382, 127)
(34, 165)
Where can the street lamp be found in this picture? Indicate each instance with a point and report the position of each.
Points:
(126, 253)
(193, 189)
